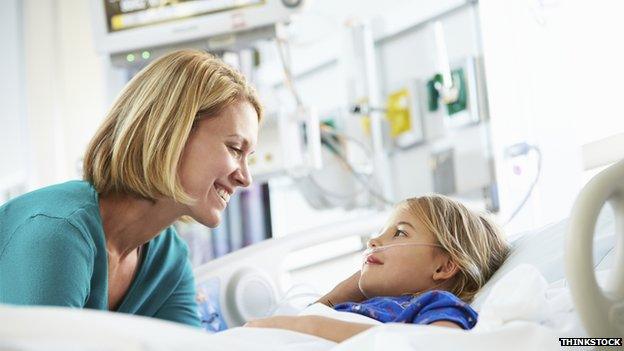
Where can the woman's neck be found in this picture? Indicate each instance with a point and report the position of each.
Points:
(130, 222)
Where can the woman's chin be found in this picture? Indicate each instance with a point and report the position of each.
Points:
(211, 219)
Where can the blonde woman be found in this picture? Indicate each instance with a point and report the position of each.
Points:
(175, 143)
(426, 266)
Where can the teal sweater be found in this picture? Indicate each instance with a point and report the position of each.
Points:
(52, 252)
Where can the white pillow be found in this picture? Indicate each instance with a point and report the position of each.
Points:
(543, 248)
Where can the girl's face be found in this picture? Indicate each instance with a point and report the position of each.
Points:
(403, 269)
(214, 161)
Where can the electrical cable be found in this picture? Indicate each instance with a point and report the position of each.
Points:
(282, 45)
(335, 150)
(365, 182)
(523, 149)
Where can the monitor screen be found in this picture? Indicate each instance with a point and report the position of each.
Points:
(127, 14)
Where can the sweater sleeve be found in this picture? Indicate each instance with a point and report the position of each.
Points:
(181, 306)
(47, 261)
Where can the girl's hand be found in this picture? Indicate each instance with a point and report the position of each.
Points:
(347, 290)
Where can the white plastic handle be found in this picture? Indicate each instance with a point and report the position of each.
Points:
(601, 311)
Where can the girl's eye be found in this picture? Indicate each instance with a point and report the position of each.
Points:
(399, 232)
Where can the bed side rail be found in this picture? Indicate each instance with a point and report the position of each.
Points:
(601, 311)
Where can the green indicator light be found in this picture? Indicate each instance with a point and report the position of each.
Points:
(145, 55)
(130, 57)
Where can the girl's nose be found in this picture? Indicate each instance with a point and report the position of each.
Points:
(374, 242)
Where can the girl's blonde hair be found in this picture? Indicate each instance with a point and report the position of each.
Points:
(138, 147)
(472, 240)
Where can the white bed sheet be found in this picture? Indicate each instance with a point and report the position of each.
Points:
(54, 328)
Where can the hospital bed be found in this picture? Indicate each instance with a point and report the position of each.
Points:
(580, 259)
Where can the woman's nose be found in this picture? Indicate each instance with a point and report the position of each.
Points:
(242, 176)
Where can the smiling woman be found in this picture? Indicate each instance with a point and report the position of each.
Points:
(175, 143)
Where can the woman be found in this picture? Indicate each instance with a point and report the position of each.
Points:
(175, 143)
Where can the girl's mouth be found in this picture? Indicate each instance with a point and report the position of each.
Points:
(371, 259)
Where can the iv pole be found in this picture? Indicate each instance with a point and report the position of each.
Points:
(363, 40)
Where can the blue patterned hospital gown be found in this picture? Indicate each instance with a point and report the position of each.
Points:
(427, 308)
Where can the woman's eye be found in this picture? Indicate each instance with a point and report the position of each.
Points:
(236, 151)
(399, 232)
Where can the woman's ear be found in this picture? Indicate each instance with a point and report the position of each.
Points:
(446, 269)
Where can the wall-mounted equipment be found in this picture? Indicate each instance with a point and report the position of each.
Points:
(468, 104)
(404, 115)
(127, 25)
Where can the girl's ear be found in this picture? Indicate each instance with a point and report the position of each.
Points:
(446, 269)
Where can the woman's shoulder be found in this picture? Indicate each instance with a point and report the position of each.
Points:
(58, 201)
(58, 210)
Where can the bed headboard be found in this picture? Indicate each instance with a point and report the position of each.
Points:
(601, 311)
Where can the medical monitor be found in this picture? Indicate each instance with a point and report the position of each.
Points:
(128, 25)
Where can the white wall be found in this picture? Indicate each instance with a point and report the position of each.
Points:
(554, 79)
(64, 88)
(13, 149)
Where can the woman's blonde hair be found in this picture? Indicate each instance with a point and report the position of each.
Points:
(138, 147)
(472, 240)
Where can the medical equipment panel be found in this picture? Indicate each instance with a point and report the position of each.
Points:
(125, 26)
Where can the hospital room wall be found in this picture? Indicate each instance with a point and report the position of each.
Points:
(13, 168)
(64, 90)
(554, 79)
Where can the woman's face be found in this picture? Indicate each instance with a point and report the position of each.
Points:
(401, 269)
(214, 161)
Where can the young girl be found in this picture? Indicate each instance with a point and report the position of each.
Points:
(426, 266)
